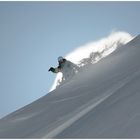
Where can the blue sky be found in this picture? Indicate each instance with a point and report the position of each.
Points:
(34, 34)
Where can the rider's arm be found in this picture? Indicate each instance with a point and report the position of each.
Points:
(55, 70)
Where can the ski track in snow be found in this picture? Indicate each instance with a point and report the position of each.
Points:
(24, 117)
(66, 99)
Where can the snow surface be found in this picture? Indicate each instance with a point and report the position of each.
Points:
(93, 52)
(101, 101)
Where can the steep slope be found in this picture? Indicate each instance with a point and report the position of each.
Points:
(93, 52)
(102, 101)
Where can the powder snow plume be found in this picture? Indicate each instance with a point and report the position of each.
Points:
(92, 52)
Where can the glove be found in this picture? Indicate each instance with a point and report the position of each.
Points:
(51, 69)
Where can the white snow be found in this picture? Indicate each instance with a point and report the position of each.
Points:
(101, 101)
(93, 52)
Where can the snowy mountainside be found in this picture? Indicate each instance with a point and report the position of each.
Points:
(102, 101)
(93, 52)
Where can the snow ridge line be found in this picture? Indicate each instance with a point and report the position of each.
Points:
(89, 106)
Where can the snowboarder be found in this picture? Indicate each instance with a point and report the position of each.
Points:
(67, 68)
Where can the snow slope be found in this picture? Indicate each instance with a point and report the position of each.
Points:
(102, 101)
(93, 52)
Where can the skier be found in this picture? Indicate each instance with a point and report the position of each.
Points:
(67, 68)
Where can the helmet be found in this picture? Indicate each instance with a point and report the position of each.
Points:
(60, 58)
